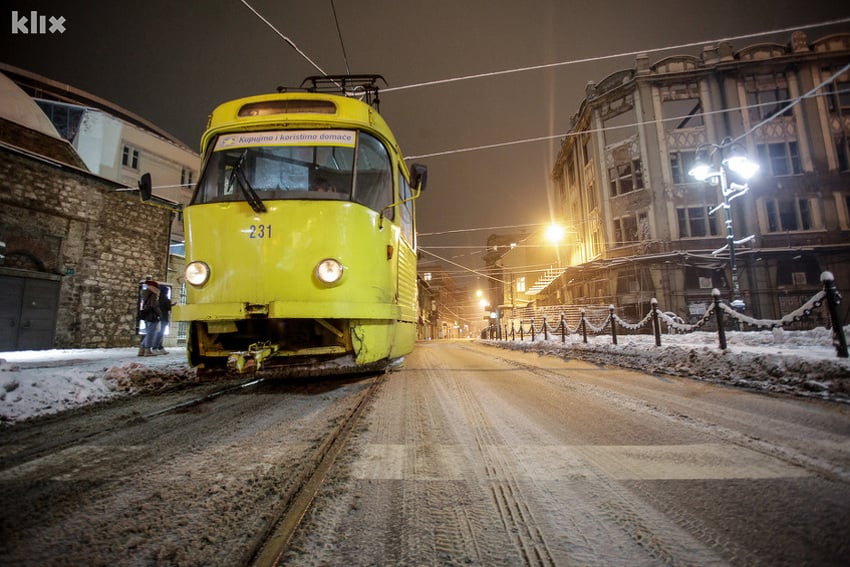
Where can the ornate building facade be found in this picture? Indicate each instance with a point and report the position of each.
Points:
(640, 227)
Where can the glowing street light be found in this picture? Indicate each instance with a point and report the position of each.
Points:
(732, 158)
(555, 233)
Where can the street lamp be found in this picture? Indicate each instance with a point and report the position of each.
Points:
(733, 159)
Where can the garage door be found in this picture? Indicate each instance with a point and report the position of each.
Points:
(27, 313)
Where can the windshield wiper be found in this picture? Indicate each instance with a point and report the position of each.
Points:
(250, 195)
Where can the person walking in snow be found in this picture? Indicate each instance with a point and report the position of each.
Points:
(165, 317)
(151, 315)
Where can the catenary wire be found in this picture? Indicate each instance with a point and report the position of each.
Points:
(613, 56)
(341, 42)
(282, 36)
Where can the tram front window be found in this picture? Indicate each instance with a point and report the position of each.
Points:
(306, 165)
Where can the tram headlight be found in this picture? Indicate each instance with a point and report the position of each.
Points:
(197, 273)
(329, 271)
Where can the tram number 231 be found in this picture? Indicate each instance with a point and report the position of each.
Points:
(260, 231)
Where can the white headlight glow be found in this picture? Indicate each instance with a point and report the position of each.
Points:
(197, 273)
(329, 271)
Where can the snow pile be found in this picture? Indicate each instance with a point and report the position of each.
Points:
(795, 362)
(36, 383)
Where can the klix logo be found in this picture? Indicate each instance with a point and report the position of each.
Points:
(34, 23)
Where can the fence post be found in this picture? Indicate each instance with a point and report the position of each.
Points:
(545, 329)
(583, 326)
(613, 324)
(721, 329)
(656, 326)
(833, 299)
(521, 332)
(563, 328)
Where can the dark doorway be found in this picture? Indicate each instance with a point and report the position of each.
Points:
(28, 312)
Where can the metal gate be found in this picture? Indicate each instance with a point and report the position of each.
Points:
(28, 309)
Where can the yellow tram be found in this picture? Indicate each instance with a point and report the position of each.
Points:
(301, 235)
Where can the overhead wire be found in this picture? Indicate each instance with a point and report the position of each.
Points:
(286, 39)
(341, 42)
(795, 101)
(565, 135)
(613, 56)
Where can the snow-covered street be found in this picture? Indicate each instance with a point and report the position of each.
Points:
(35, 383)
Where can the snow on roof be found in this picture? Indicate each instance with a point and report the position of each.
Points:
(16, 106)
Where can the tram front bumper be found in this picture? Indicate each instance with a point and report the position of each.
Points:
(284, 310)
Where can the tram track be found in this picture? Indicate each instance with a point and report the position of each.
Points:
(239, 461)
(294, 509)
(74, 434)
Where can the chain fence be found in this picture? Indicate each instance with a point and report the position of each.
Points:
(582, 320)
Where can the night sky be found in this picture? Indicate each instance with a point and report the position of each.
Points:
(173, 61)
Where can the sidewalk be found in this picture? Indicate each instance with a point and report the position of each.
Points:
(48, 381)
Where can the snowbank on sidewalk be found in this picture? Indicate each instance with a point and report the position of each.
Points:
(796, 362)
(41, 382)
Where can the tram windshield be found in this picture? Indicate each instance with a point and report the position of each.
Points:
(297, 164)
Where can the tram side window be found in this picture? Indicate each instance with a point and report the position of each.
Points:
(373, 178)
(406, 209)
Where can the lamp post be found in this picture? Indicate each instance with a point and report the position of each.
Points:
(730, 158)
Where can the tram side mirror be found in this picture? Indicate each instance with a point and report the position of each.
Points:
(418, 176)
(145, 187)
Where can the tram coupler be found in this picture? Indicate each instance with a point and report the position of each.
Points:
(251, 360)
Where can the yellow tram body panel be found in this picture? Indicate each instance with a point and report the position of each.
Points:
(277, 270)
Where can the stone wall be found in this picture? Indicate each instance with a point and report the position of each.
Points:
(63, 220)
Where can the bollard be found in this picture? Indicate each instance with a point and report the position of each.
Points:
(521, 333)
(833, 299)
(583, 326)
(532, 330)
(721, 330)
(613, 324)
(545, 329)
(563, 329)
(656, 326)
(513, 331)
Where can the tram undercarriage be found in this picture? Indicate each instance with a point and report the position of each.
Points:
(292, 347)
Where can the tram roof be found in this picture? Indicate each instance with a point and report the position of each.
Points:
(299, 110)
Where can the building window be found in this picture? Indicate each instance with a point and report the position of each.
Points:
(186, 177)
(625, 230)
(695, 222)
(839, 92)
(842, 149)
(785, 215)
(782, 158)
(520, 284)
(682, 113)
(680, 163)
(625, 178)
(766, 95)
(65, 117)
(130, 157)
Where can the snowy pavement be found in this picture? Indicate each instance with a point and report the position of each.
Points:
(794, 362)
(34, 383)
(40, 382)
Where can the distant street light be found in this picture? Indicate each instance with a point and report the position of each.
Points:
(555, 233)
(733, 159)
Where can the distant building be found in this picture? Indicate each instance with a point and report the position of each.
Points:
(641, 227)
(74, 237)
